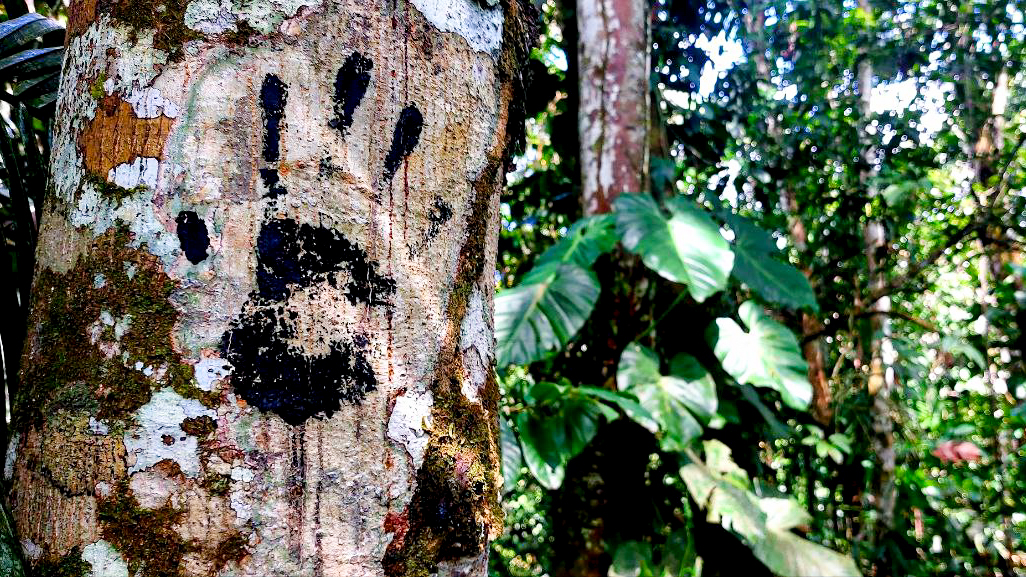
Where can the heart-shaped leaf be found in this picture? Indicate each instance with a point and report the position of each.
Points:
(687, 247)
(767, 355)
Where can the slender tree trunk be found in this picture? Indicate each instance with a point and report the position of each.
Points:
(613, 114)
(881, 373)
(261, 335)
(613, 56)
(812, 348)
(986, 152)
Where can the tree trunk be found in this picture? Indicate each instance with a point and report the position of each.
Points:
(612, 126)
(613, 56)
(261, 335)
(812, 347)
(881, 372)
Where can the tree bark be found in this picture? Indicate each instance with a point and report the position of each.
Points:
(261, 334)
(613, 56)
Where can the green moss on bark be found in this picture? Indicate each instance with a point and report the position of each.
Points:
(231, 549)
(165, 18)
(70, 565)
(92, 327)
(111, 191)
(455, 507)
(199, 426)
(146, 538)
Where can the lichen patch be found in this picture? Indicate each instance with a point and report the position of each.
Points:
(159, 435)
(480, 26)
(104, 560)
(410, 423)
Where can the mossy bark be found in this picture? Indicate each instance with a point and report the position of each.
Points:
(261, 338)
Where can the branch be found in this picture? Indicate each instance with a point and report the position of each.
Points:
(1002, 182)
(917, 268)
(831, 329)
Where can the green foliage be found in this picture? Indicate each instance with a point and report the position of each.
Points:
(552, 302)
(33, 72)
(765, 523)
(767, 355)
(756, 264)
(679, 404)
(686, 247)
(565, 422)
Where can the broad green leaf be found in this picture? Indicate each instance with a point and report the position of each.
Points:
(638, 365)
(764, 524)
(676, 404)
(767, 355)
(550, 476)
(686, 248)
(542, 314)
(512, 456)
(757, 264)
(552, 302)
(542, 435)
(585, 241)
(628, 404)
(550, 440)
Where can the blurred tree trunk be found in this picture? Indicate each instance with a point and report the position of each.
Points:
(812, 347)
(613, 61)
(613, 128)
(881, 356)
(261, 338)
(992, 244)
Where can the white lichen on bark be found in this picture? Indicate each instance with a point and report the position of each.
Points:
(104, 560)
(158, 434)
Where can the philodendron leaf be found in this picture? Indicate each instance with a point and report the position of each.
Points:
(676, 403)
(543, 313)
(766, 355)
(558, 429)
(764, 524)
(540, 315)
(512, 455)
(757, 264)
(533, 442)
(687, 247)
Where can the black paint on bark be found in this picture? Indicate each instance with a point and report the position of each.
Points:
(273, 96)
(351, 84)
(404, 139)
(269, 371)
(271, 180)
(193, 236)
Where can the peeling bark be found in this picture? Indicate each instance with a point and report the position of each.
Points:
(261, 335)
(613, 56)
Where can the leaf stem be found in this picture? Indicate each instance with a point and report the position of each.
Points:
(663, 316)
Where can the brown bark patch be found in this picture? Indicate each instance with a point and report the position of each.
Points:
(117, 136)
(73, 458)
(81, 14)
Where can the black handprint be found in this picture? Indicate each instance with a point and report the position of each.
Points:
(269, 371)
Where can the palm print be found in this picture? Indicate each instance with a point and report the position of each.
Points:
(270, 372)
